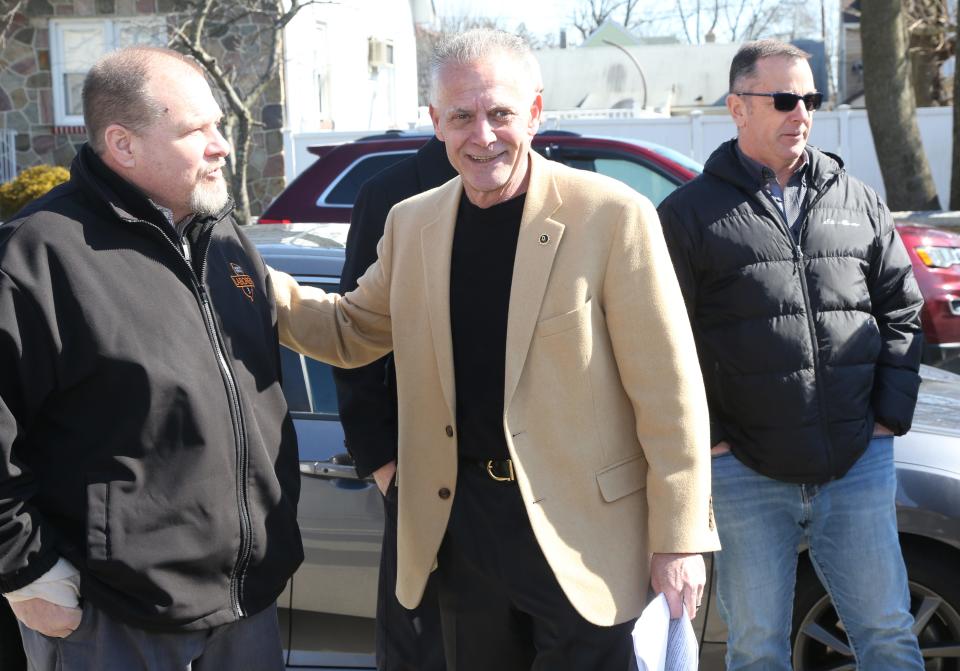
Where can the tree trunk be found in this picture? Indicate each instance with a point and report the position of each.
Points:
(242, 150)
(238, 129)
(955, 163)
(892, 108)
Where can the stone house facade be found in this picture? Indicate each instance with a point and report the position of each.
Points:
(51, 43)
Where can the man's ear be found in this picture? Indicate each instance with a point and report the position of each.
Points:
(435, 118)
(120, 145)
(536, 111)
(738, 109)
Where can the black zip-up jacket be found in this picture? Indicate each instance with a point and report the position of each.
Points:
(144, 435)
(804, 342)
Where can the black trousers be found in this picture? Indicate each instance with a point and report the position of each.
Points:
(501, 605)
(406, 640)
(11, 646)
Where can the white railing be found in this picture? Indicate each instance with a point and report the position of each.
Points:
(843, 131)
(8, 155)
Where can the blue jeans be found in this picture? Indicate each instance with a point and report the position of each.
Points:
(850, 527)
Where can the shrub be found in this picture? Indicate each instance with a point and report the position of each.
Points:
(29, 185)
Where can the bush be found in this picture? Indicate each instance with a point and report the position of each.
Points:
(29, 185)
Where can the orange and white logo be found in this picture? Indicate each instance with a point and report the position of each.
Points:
(242, 281)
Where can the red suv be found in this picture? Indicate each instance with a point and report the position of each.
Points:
(326, 190)
(935, 254)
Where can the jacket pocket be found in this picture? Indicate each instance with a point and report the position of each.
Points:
(622, 478)
(98, 518)
(564, 322)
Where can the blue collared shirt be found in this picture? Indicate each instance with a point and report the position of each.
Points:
(789, 199)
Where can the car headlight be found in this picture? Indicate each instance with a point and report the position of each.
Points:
(939, 257)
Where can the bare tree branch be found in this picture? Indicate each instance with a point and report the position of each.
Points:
(592, 13)
(241, 85)
(8, 12)
(683, 21)
(716, 17)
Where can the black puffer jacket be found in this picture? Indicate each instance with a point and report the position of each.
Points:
(144, 435)
(802, 345)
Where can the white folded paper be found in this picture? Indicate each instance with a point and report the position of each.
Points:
(662, 644)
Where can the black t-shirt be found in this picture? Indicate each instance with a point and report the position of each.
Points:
(481, 272)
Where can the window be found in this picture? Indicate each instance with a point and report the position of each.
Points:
(344, 191)
(76, 44)
(307, 383)
(651, 184)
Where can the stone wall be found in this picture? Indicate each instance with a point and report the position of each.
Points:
(26, 93)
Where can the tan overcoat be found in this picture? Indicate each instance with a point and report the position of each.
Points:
(605, 416)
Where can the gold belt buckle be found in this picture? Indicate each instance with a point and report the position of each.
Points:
(501, 478)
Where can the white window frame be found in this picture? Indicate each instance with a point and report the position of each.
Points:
(111, 31)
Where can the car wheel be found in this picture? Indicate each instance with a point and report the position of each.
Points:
(819, 641)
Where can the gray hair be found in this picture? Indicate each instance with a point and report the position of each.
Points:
(115, 91)
(479, 44)
(744, 65)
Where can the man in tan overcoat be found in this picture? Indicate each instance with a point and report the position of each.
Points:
(553, 432)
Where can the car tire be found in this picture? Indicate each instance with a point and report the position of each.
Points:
(819, 641)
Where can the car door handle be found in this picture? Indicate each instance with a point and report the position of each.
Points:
(339, 466)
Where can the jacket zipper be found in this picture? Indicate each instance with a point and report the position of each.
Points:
(243, 461)
(798, 264)
(236, 415)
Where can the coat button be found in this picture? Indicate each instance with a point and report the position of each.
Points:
(444, 493)
(449, 430)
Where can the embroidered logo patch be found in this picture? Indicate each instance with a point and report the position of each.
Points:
(842, 222)
(242, 281)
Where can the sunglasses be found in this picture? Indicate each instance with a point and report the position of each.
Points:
(787, 102)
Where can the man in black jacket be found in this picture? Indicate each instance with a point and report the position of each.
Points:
(406, 640)
(806, 316)
(148, 464)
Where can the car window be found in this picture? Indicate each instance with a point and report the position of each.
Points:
(307, 383)
(675, 156)
(345, 191)
(650, 183)
(294, 381)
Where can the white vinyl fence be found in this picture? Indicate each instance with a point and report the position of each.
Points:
(8, 155)
(845, 132)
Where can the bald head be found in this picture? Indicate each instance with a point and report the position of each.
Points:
(117, 89)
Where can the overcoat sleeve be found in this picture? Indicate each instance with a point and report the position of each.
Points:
(345, 331)
(657, 360)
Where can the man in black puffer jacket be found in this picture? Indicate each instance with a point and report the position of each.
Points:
(806, 316)
(148, 465)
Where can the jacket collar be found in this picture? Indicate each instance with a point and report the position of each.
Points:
(126, 201)
(537, 247)
(725, 164)
(433, 165)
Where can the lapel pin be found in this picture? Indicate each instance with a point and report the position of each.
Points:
(544, 239)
